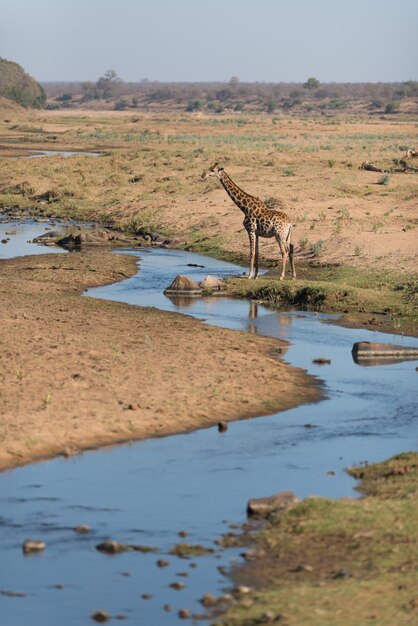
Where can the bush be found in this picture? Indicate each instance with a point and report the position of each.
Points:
(392, 107)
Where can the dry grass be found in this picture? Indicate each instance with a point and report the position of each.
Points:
(151, 165)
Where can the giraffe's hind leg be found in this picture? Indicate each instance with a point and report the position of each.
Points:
(284, 250)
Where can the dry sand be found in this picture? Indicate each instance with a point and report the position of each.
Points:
(77, 373)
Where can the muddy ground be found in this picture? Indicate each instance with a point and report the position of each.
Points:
(77, 372)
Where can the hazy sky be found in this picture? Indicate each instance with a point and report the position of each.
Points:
(200, 40)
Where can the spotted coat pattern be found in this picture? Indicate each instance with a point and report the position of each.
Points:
(259, 221)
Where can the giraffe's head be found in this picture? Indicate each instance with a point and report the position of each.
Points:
(214, 170)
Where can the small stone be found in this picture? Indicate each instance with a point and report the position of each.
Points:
(58, 586)
(33, 545)
(208, 600)
(168, 607)
(163, 563)
(183, 533)
(147, 596)
(308, 425)
(304, 568)
(100, 616)
(184, 613)
(241, 590)
(222, 427)
(321, 361)
(342, 573)
(83, 528)
(176, 585)
(110, 547)
(330, 473)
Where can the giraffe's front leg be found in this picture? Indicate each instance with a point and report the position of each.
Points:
(256, 257)
(252, 238)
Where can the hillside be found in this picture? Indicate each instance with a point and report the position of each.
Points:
(16, 85)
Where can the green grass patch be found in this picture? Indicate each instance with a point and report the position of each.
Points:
(334, 289)
(338, 563)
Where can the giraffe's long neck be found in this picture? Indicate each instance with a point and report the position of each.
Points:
(236, 194)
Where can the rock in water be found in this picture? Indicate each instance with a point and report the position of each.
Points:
(262, 507)
(33, 545)
(374, 353)
(211, 282)
(183, 285)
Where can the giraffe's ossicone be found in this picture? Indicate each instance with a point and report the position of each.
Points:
(259, 221)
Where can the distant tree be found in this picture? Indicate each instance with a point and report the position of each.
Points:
(233, 81)
(271, 105)
(108, 85)
(311, 83)
(194, 105)
(89, 90)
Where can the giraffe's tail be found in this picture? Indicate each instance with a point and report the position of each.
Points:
(289, 240)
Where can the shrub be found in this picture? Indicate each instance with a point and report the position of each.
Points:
(392, 107)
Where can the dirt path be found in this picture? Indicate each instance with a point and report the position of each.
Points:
(77, 373)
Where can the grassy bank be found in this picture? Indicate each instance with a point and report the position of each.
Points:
(338, 562)
(377, 299)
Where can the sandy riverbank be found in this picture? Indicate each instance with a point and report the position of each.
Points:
(78, 373)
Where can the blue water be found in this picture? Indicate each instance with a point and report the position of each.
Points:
(149, 491)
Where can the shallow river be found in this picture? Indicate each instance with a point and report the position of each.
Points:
(145, 493)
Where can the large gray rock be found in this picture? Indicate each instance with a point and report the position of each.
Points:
(183, 285)
(374, 353)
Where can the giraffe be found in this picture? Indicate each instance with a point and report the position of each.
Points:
(259, 221)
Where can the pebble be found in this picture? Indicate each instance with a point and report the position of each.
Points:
(168, 607)
(184, 613)
(342, 573)
(321, 361)
(241, 590)
(110, 547)
(147, 596)
(163, 563)
(208, 600)
(33, 545)
(177, 585)
(222, 427)
(82, 528)
(100, 616)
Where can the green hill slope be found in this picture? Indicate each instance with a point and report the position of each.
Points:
(19, 87)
